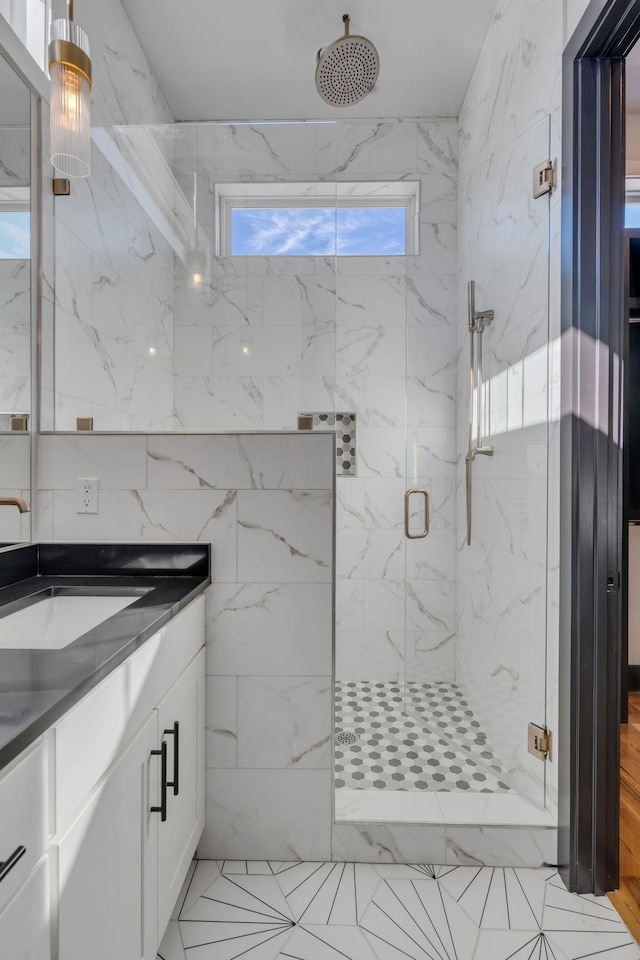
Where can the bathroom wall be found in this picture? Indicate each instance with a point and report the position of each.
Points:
(15, 338)
(270, 337)
(507, 608)
(264, 502)
(113, 301)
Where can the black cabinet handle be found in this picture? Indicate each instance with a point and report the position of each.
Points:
(175, 733)
(162, 809)
(9, 864)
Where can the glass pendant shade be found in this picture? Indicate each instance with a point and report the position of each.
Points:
(196, 268)
(70, 90)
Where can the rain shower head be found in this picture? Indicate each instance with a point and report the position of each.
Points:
(347, 69)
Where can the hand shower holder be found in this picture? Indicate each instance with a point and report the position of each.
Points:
(478, 322)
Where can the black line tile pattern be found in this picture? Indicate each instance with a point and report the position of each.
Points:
(264, 910)
(345, 426)
(424, 737)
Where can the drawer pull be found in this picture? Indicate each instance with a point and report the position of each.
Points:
(162, 809)
(9, 864)
(175, 733)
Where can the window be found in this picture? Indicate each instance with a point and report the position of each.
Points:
(317, 219)
(15, 223)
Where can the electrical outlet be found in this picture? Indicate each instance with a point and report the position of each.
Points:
(87, 495)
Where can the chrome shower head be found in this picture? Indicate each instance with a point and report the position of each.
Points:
(347, 69)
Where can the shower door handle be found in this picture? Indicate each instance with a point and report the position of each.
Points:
(407, 533)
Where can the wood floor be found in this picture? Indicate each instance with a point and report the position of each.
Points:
(626, 900)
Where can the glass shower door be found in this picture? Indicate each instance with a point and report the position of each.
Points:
(476, 631)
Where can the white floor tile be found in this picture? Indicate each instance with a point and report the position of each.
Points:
(606, 945)
(498, 898)
(419, 918)
(182, 896)
(206, 872)
(227, 941)
(516, 945)
(240, 899)
(171, 947)
(300, 910)
(327, 943)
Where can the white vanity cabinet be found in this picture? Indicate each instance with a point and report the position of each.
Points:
(130, 797)
(24, 887)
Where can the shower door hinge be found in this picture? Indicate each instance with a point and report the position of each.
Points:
(539, 741)
(544, 179)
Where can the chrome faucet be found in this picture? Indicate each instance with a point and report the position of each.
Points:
(18, 502)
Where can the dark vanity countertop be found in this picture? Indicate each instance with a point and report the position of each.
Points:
(37, 686)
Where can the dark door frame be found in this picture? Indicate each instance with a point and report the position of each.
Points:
(591, 470)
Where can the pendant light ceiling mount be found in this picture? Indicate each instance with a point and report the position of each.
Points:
(71, 80)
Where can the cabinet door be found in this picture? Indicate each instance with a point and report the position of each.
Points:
(181, 724)
(24, 923)
(107, 862)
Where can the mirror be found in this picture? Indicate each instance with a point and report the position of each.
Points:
(15, 301)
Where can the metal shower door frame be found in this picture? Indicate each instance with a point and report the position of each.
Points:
(591, 476)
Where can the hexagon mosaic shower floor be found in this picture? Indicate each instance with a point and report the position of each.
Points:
(434, 743)
(265, 910)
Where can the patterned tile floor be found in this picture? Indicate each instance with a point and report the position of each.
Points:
(433, 742)
(361, 911)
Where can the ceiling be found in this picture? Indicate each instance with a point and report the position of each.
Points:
(255, 59)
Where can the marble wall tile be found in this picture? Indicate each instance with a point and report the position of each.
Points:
(380, 654)
(15, 462)
(430, 656)
(357, 149)
(221, 403)
(222, 722)
(381, 452)
(15, 339)
(379, 350)
(120, 462)
(284, 535)
(388, 843)
(248, 462)
(284, 722)
(269, 644)
(267, 814)
(501, 846)
(193, 351)
(299, 300)
(269, 629)
(385, 401)
(370, 554)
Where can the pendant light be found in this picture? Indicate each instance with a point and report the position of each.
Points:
(196, 256)
(70, 73)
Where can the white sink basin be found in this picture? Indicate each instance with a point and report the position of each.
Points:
(54, 622)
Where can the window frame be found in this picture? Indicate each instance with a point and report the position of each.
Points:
(383, 194)
(16, 200)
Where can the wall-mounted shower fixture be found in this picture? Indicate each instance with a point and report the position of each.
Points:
(479, 320)
(347, 69)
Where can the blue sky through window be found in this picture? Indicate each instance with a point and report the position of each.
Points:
(318, 231)
(15, 241)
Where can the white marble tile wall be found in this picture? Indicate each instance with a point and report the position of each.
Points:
(15, 336)
(508, 606)
(113, 290)
(265, 503)
(272, 336)
(15, 480)
(15, 143)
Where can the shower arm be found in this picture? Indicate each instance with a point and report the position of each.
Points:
(477, 324)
